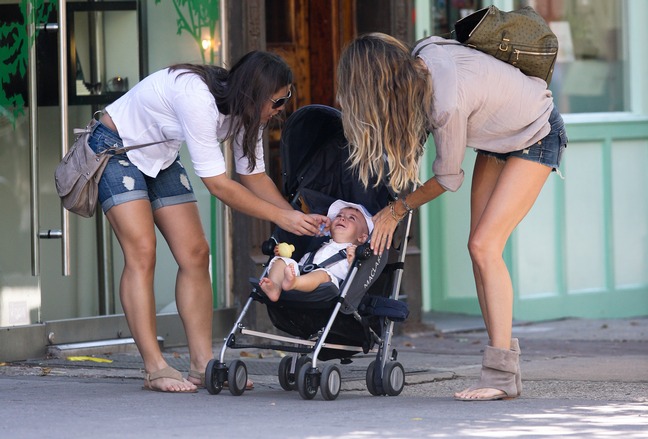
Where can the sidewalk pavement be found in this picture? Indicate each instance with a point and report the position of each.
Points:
(577, 360)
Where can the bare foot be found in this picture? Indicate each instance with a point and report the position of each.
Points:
(270, 289)
(290, 278)
(482, 394)
(172, 385)
(168, 379)
(196, 378)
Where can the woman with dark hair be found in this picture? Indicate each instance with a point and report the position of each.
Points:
(392, 97)
(203, 106)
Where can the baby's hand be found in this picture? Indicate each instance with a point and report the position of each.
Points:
(351, 251)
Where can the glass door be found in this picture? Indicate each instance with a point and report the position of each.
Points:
(57, 70)
(59, 274)
(21, 179)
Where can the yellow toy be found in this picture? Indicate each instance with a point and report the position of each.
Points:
(286, 250)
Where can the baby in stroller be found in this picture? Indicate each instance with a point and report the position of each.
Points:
(351, 226)
(336, 320)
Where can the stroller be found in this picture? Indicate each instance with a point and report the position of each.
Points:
(328, 323)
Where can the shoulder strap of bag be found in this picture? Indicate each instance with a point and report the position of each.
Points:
(114, 149)
(440, 43)
(123, 149)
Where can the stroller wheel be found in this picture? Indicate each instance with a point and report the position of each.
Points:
(302, 361)
(237, 377)
(212, 383)
(331, 382)
(307, 382)
(287, 379)
(393, 378)
(374, 386)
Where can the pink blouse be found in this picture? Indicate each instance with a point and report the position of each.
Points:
(479, 102)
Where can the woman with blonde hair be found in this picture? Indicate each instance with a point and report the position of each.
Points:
(392, 98)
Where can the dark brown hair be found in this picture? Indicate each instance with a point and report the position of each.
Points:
(242, 91)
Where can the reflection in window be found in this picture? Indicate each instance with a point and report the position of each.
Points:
(590, 70)
(444, 13)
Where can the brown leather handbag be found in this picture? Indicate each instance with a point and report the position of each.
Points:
(521, 38)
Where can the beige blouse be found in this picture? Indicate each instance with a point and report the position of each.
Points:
(480, 102)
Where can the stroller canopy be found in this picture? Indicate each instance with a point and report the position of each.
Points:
(314, 154)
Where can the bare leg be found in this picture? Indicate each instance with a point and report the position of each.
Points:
(133, 225)
(270, 285)
(513, 195)
(181, 227)
(485, 176)
(307, 282)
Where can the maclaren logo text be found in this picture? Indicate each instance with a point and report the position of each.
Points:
(373, 272)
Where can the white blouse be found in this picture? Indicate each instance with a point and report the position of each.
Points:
(167, 105)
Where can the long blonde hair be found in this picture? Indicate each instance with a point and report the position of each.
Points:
(383, 94)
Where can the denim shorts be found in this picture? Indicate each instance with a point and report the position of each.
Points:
(122, 181)
(547, 151)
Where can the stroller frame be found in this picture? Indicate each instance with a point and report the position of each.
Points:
(301, 371)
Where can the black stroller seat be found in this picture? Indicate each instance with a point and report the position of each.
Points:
(330, 322)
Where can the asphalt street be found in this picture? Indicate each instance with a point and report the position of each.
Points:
(582, 379)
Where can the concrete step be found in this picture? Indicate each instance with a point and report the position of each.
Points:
(100, 347)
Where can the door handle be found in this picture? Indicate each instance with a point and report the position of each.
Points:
(36, 234)
(33, 140)
(50, 234)
(63, 103)
(48, 27)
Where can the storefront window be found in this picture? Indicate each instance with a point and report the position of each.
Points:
(590, 74)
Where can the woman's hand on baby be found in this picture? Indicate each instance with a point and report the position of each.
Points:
(300, 223)
(384, 226)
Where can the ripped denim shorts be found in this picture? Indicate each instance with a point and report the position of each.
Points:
(122, 181)
(547, 151)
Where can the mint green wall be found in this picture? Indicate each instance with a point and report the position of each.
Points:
(583, 249)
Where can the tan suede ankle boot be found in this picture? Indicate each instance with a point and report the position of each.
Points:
(515, 347)
(499, 367)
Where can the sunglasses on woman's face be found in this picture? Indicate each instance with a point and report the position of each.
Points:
(276, 103)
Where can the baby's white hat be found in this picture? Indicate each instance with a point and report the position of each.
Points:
(338, 205)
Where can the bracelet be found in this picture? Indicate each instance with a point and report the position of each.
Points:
(405, 205)
(394, 214)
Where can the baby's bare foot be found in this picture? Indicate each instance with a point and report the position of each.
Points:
(290, 278)
(270, 289)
